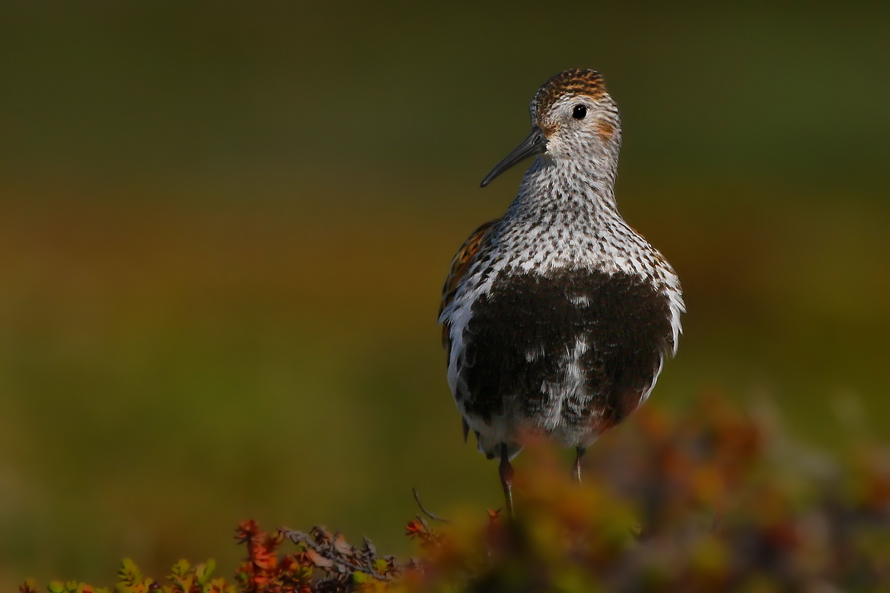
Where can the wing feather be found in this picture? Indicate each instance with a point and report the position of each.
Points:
(460, 265)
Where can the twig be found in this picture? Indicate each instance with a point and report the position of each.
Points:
(432, 516)
(304, 538)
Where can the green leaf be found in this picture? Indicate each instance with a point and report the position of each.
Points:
(203, 571)
(129, 573)
(181, 568)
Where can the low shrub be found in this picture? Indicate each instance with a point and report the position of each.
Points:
(715, 500)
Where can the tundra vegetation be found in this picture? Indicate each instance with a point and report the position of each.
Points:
(716, 499)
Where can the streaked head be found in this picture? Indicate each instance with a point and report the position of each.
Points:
(573, 117)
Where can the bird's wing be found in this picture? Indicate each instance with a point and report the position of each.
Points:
(461, 263)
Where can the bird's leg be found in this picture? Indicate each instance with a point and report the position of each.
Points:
(579, 455)
(506, 472)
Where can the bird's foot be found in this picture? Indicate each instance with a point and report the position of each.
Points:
(506, 472)
(579, 456)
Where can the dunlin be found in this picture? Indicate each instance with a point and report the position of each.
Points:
(557, 317)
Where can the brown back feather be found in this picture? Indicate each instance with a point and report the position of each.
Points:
(461, 263)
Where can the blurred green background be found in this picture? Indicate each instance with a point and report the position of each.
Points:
(224, 228)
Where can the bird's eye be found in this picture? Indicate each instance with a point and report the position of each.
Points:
(579, 111)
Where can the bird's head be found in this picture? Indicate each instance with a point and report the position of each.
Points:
(573, 119)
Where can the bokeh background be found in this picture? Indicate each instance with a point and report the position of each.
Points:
(224, 228)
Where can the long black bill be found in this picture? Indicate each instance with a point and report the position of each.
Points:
(536, 143)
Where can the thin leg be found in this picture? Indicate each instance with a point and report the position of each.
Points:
(579, 455)
(506, 472)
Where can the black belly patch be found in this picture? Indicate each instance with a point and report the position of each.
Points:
(521, 335)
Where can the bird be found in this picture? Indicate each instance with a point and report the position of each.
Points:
(557, 318)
